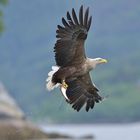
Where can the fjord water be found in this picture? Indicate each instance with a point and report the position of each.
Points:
(99, 131)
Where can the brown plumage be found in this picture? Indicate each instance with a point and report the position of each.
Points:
(71, 38)
(73, 67)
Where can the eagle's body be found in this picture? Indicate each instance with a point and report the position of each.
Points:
(73, 71)
(73, 67)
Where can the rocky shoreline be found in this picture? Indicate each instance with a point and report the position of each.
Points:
(15, 126)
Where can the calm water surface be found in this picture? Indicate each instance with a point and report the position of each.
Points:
(100, 132)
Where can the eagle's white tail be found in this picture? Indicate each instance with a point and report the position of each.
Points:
(50, 85)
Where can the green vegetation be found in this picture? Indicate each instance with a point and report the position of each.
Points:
(2, 3)
(26, 56)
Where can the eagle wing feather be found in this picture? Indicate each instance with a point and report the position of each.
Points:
(81, 91)
(69, 47)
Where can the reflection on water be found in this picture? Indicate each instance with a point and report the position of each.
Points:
(100, 132)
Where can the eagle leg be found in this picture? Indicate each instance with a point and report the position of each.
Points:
(64, 85)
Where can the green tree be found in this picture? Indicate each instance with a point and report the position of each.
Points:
(2, 3)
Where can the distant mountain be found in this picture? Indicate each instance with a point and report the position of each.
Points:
(26, 56)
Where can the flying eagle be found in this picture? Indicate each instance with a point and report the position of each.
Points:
(71, 72)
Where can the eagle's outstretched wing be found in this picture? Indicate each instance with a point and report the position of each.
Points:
(69, 48)
(81, 91)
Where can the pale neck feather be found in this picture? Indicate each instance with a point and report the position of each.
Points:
(92, 62)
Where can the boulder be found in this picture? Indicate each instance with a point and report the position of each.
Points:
(13, 125)
(13, 122)
(20, 130)
(8, 106)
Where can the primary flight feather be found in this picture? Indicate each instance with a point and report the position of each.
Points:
(71, 72)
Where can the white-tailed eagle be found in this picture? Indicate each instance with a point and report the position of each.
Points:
(71, 72)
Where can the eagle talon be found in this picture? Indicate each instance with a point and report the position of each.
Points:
(64, 85)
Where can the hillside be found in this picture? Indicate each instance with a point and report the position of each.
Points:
(26, 56)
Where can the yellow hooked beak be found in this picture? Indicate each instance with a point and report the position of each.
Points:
(103, 61)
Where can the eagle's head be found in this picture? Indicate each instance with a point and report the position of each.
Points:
(99, 60)
(93, 62)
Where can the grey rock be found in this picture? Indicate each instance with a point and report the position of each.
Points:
(8, 106)
(14, 126)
